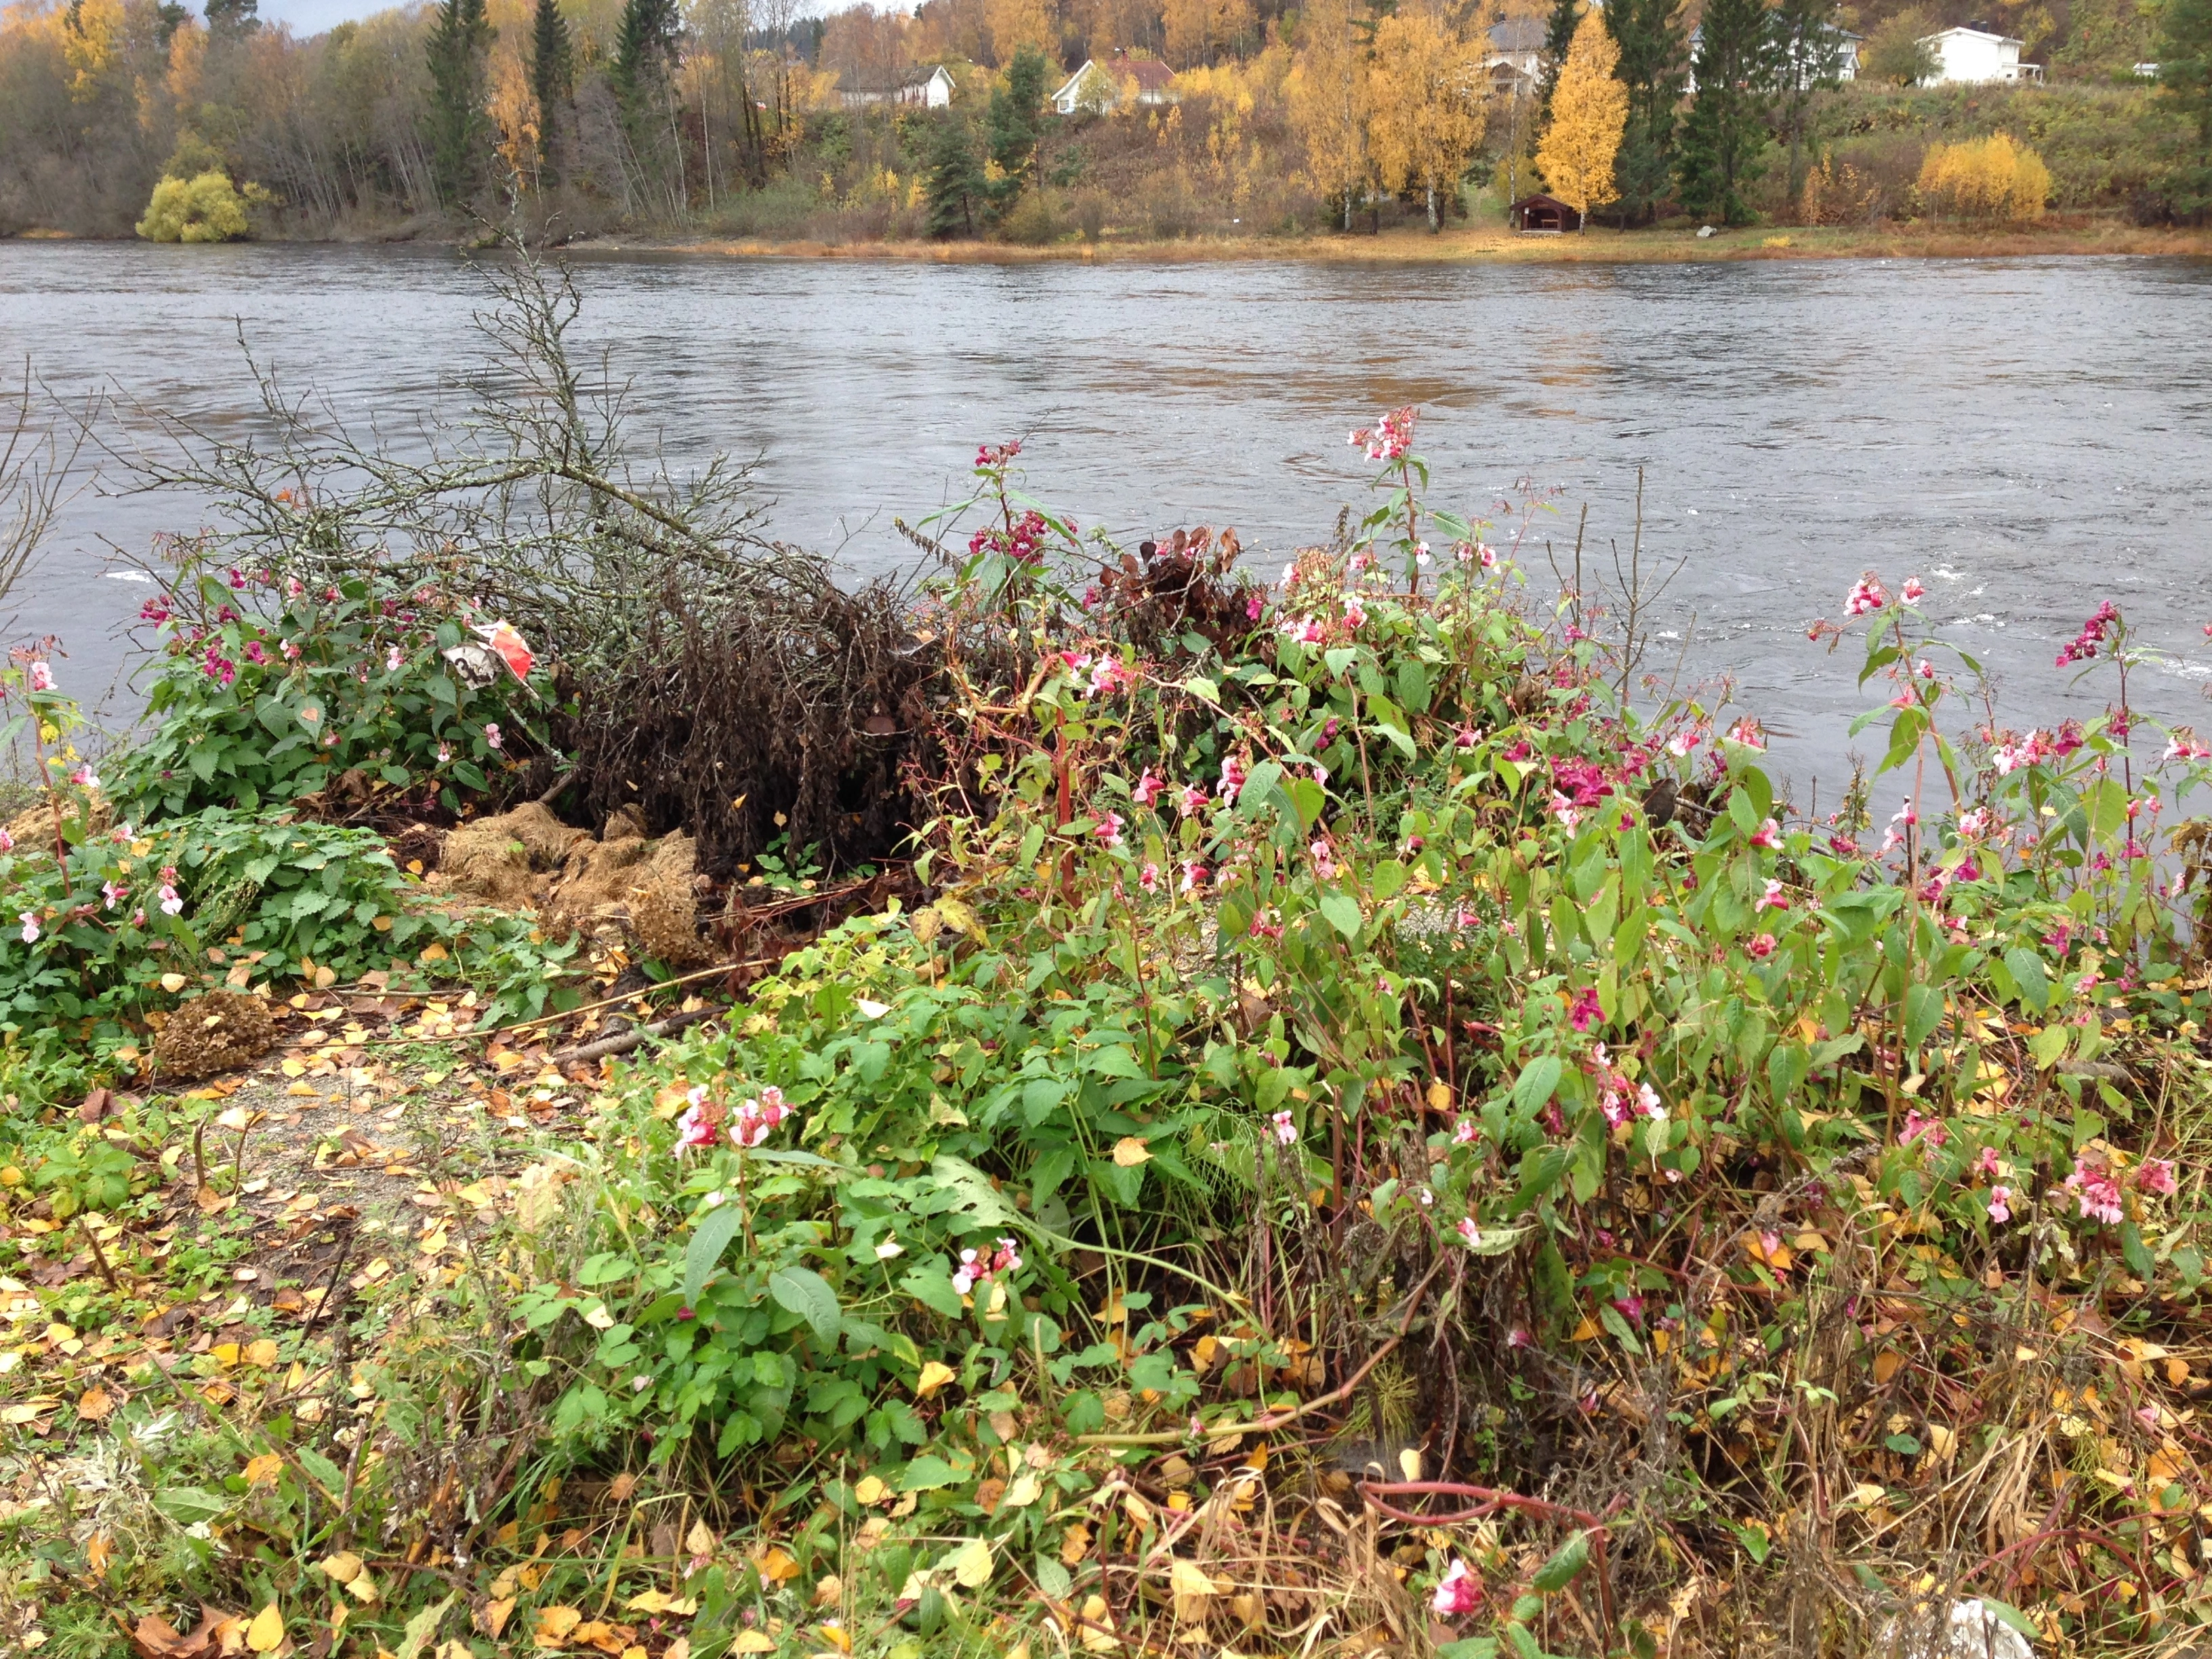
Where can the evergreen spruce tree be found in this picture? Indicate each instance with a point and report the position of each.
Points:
(1809, 47)
(1654, 67)
(957, 186)
(2184, 74)
(1013, 121)
(645, 55)
(552, 80)
(460, 132)
(1558, 37)
(1726, 126)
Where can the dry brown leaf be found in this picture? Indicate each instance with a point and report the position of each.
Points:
(95, 1403)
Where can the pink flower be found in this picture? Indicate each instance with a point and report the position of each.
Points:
(2000, 1205)
(2084, 645)
(1648, 1097)
(30, 921)
(1267, 925)
(1324, 858)
(1986, 1164)
(1468, 1230)
(1914, 590)
(1193, 801)
(1761, 948)
(1748, 732)
(1355, 614)
(1459, 1592)
(1111, 674)
(1148, 788)
(491, 733)
(1865, 596)
(697, 1126)
(2155, 1175)
(1769, 835)
(1929, 1130)
(979, 1268)
(1464, 1132)
(1773, 898)
(1232, 779)
(1108, 831)
(2186, 746)
(1193, 875)
(1390, 437)
(1149, 878)
(756, 1119)
(1585, 1012)
(1286, 1132)
(394, 660)
(84, 777)
(2096, 1191)
(291, 651)
(42, 676)
(114, 892)
(1564, 810)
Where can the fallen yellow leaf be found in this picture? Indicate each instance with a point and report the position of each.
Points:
(263, 1471)
(1129, 1152)
(94, 1404)
(935, 1376)
(774, 1567)
(266, 1633)
(262, 1353)
(870, 1490)
(341, 1568)
(752, 1641)
(555, 1626)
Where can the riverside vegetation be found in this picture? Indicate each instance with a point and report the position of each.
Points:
(1329, 1116)
(721, 120)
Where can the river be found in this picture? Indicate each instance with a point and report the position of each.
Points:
(2030, 437)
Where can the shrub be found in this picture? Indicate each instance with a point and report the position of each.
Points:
(1991, 179)
(266, 689)
(203, 208)
(1033, 222)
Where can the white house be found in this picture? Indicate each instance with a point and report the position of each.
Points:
(1973, 57)
(930, 88)
(1099, 88)
(1515, 62)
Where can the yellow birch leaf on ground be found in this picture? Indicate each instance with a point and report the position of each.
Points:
(1129, 1152)
(224, 1354)
(343, 1568)
(1192, 1590)
(555, 1625)
(699, 1540)
(828, 1590)
(753, 1641)
(835, 1635)
(971, 1567)
(263, 1471)
(1025, 1491)
(493, 1620)
(1440, 1096)
(94, 1404)
(870, 1490)
(935, 1376)
(1886, 1364)
(774, 1567)
(266, 1633)
(1074, 1544)
(262, 1353)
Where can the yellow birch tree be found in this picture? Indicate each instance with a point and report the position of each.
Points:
(1589, 108)
(1327, 93)
(1427, 114)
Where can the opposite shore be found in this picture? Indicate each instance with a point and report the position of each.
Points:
(1411, 245)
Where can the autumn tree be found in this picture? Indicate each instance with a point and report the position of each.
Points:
(1897, 50)
(552, 82)
(1589, 108)
(1654, 66)
(460, 132)
(1201, 31)
(1722, 137)
(642, 78)
(1326, 94)
(1425, 111)
(1015, 24)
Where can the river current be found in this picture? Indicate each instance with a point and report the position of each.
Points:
(2028, 437)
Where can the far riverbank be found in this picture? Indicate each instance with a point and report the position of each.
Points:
(1495, 244)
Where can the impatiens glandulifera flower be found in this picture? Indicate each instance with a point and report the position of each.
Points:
(1232, 779)
(2084, 645)
(1866, 596)
(1108, 831)
(1761, 948)
(491, 733)
(84, 777)
(756, 1119)
(1149, 878)
(1768, 835)
(1914, 590)
(1391, 436)
(30, 921)
(2155, 1175)
(114, 892)
(1148, 788)
(1929, 1130)
(700, 1123)
(1585, 1010)
(2000, 1205)
(1459, 1592)
(41, 676)
(2096, 1191)
(1286, 1132)
(980, 1269)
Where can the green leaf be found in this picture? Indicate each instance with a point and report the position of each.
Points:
(1342, 911)
(806, 1293)
(2048, 1047)
(931, 1285)
(2027, 969)
(1565, 1566)
(704, 1253)
(2135, 1252)
(1493, 1241)
(2005, 1613)
(1538, 1081)
(1617, 1323)
(423, 1626)
(1923, 1012)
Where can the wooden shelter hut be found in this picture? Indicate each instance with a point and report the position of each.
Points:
(1543, 215)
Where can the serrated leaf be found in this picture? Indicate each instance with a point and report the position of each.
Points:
(808, 1294)
(704, 1253)
(1538, 1080)
(1566, 1565)
(1341, 911)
